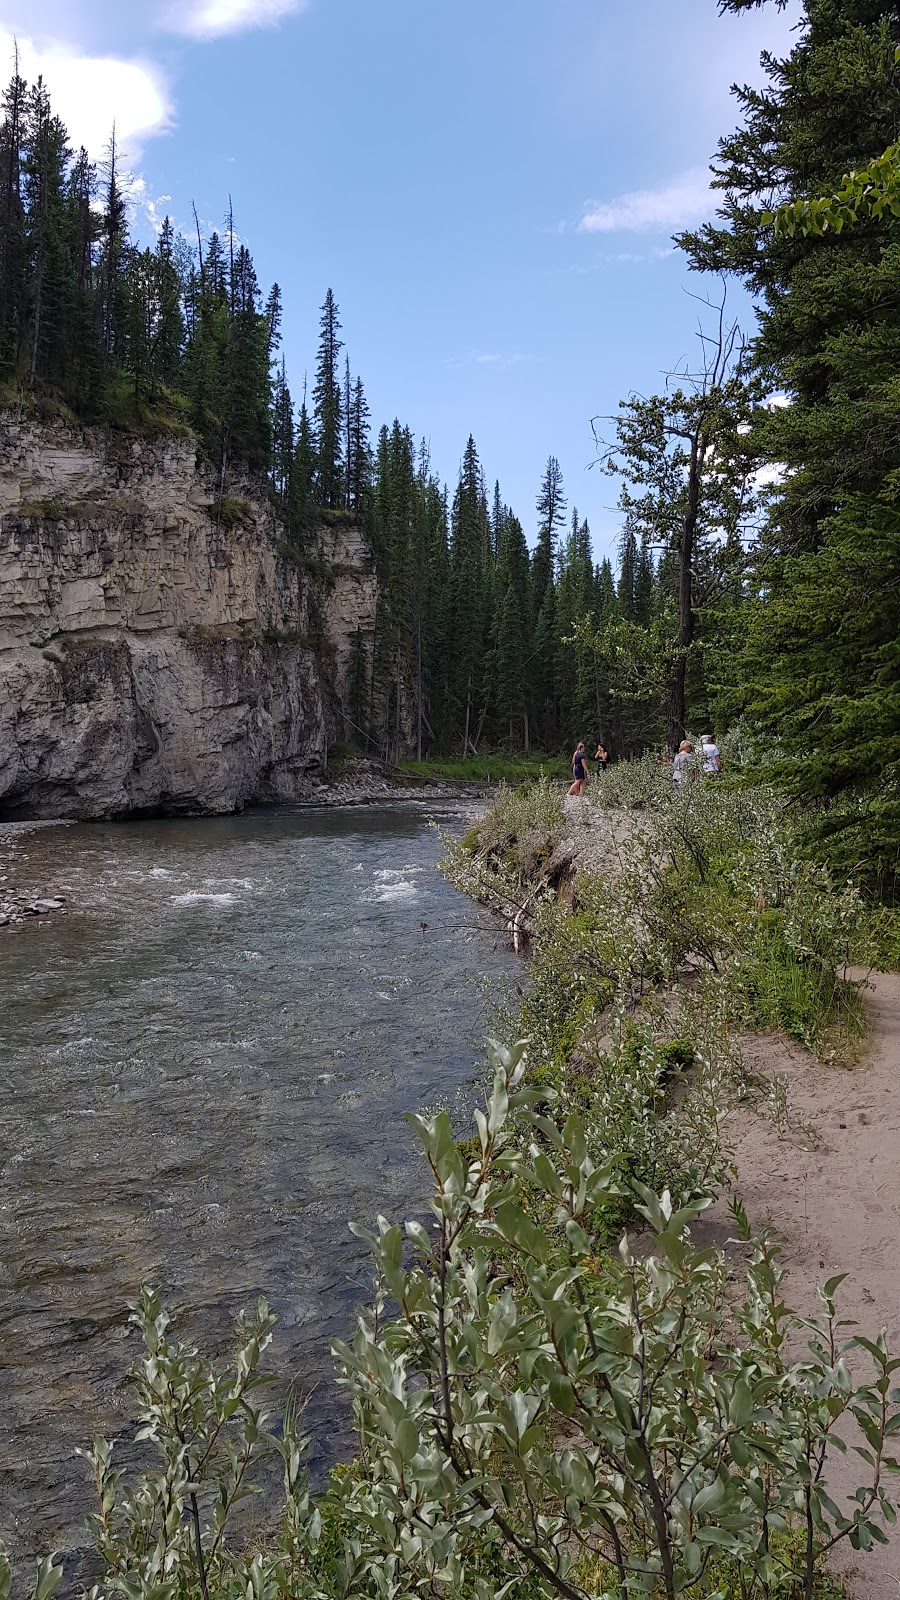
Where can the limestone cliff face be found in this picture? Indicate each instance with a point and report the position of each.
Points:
(157, 654)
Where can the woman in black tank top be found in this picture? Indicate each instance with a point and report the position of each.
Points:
(579, 771)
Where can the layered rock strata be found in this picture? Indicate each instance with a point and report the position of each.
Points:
(160, 650)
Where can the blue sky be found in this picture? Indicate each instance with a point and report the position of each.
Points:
(489, 186)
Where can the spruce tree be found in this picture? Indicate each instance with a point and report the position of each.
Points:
(48, 270)
(114, 237)
(359, 459)
(643, 589)
(247, 398)
(84, 387)
(815, 654)
(303, 477)
(12, 221)
(514, 632)
(283, 445)
(168, 330)
(551, 510)
(628, 565)
(328, 407)
(468, 613)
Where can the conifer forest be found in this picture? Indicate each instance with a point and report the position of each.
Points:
(380, 842)
(757, 565)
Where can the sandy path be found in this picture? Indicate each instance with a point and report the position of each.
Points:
(829, 1186)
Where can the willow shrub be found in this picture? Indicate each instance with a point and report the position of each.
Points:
(711, 879)
(536, 1415)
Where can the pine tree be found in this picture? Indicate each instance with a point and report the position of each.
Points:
(686, 460)
(49, 282)
(328, 407)
(247, 408)
(815, 654)
(551, 510)
(283, 445)
(468, 619)
(168, 330)
(514, 631)
(628, 565)
(303, 477)
(12, 221)
(359, 458)
(114, 236)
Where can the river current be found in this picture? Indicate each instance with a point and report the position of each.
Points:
(205, 1065)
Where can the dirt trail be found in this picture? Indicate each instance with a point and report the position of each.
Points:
(827, 1184)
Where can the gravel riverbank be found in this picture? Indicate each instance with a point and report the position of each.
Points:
(20, 897)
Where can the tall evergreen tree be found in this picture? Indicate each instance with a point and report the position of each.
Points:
(514, 635)
(359, 457)
(12, 220)
(303, 476)
(49, 283)
(283, 445)
(628, 565)
(551, 510)
(114, 237)
(328, 407)
(468, 619)
(816, 654)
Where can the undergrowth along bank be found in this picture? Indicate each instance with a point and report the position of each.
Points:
(637, 890)
(539, 1413)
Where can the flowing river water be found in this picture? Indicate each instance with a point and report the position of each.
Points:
(204, 1066)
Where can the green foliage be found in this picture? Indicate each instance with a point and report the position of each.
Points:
(686, 462)
(713, 881)
(806, 999)
(821, 673)
(577, 1408)
(813, 665)
(180, 1529)
(538, 1415)
(231, 511)
(489, 766)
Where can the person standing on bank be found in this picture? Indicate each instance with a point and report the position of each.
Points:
(579, 770)
(709, 755)
(602, 758)
(681, 766)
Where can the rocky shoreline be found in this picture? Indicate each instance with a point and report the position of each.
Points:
(17, 904)
(364, 782)
(357, 783)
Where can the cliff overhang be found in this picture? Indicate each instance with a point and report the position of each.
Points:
(157, 656)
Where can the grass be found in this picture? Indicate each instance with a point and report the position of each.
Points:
(723, 1579)
(163, 415)
(492, 767)
(232, 511)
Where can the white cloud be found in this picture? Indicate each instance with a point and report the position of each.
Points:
(208, 19)
(487, 358)
(90, 93)
(677, 204)
(769, 476)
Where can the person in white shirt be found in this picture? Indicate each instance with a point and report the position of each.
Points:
(709, 755)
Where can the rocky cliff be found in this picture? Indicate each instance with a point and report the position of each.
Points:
(160, 651)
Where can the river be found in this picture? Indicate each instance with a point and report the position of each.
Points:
(205, 1062)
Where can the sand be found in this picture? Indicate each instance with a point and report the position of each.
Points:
(828, 1184)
